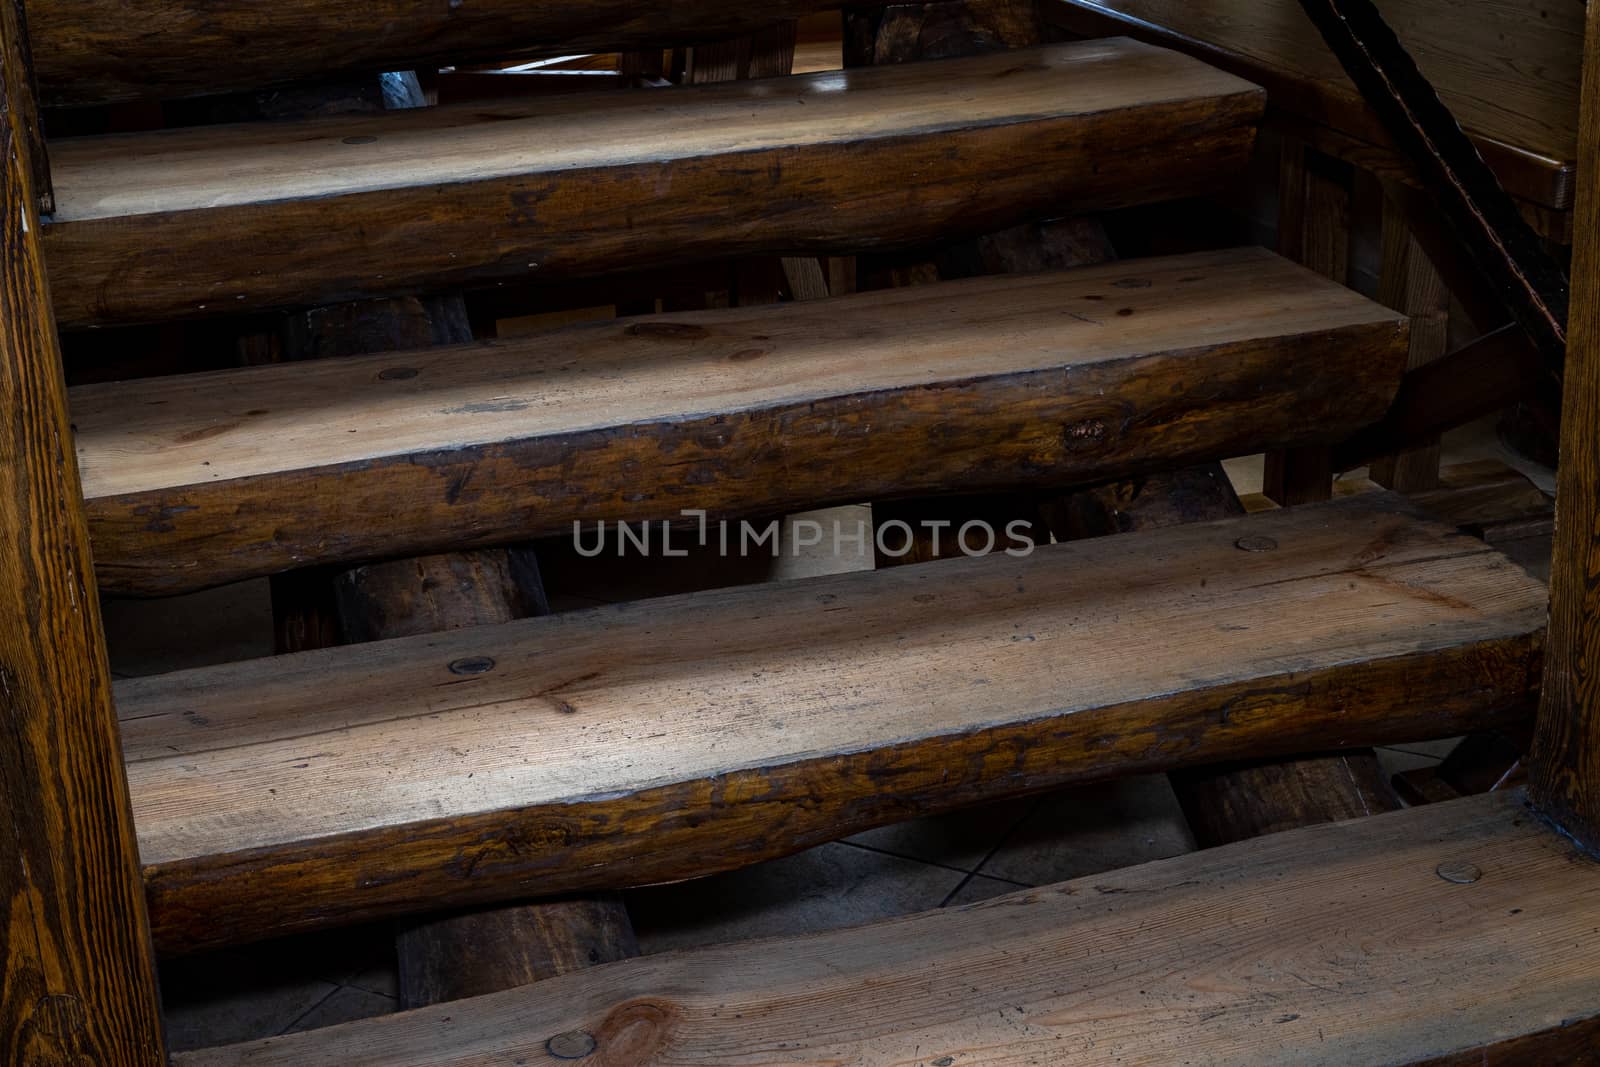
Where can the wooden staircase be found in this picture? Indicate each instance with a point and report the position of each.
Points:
(657, 741)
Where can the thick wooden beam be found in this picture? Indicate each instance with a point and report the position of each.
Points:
(1448, 935)
(150, 226)
(79, 983)
(642, 743)
(1564, 776)
(91, 51)
(986, 383)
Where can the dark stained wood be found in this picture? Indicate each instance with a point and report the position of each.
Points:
(1238, 801)
(89, 52)
(468, 955)
(1510, 71)
(1564, 773)
(1335, 944)
(983, 384)
(150, 226)
(1473, 381)
(1408, 282)
(22, 103)
(1313, 230)
(640, 743)
(79, 984)
(1486, 223)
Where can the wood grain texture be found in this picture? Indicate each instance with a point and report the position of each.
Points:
(1332, 945)
(987, 383)
(1510, 71)
(151, 225)
(1564, 774)
(460, 956)
(79, 982)
(657, 741)
(93, 51)
(1409, 283)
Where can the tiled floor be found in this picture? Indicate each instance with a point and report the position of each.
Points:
(941, 861)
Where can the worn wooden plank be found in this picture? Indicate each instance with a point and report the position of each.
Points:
(150, 225)
(652, 742)
(1332, 945)
(1564, 774)
(79, 983)
(985, 383)
(1510, 71)
(93, 51)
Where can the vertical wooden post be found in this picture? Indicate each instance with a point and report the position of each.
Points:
(1564, 776)
(80, 982)
(1410, 283)
(1313, 229)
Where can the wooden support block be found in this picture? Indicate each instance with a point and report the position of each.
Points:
(80, 982)
(983, 384)
(640, 743)
(150, 226)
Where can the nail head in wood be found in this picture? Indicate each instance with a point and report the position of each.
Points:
(1256, 544)
(397, 374)
(1458, 872)
(572, 1045)
(472, 665)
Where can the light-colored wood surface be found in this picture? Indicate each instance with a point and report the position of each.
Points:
(1508, 69)
(204, 478)
(151, 225)
(166, 433)
(257, 163)
(1330, 945)
(366, 776)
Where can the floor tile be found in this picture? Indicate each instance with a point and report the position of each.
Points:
(1092, 829)
(346, 1004)
(823, 888)
(959, 839)
(980, 887)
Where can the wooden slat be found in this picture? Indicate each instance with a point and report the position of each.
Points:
(94, 51)
(79, 982)
(989, 382)
(153, 225)
(1335, 944)
(1509, 71)
(1565, 759)
(652, 742)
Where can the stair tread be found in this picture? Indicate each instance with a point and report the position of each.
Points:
(651, 741)
(621, 179)
(259, 162)
(1332, 944)
(1159, 358)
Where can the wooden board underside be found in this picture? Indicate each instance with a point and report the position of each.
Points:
(93, 51)
(666, 739)
(151, 225)
(1509, 72)
(1331, 945)
(204, 478)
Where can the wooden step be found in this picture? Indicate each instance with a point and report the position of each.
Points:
(1453, 933)
(1069, 376)
(665, 739)
(233, 218)
(95, 51)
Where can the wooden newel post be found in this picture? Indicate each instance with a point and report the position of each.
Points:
(1565, 771)
(79, 985)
